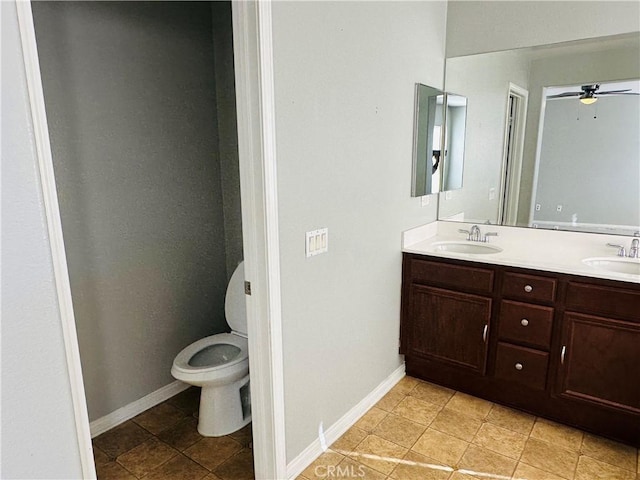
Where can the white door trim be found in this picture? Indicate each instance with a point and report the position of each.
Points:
(258, 181)
(56, 240)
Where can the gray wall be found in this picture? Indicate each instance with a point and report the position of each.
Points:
(38, 432)
(486, 26)
(344, 86)
(130, 94)
(590, 162)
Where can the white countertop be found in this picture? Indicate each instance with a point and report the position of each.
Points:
(547, 250)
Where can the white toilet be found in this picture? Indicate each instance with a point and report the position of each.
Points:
(220, 365)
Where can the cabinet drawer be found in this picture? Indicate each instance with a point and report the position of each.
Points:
(525, 323)
(522, 365)
(597, 299)
(453, 276)
(529, 287)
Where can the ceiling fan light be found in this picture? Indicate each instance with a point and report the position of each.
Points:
(588, 100)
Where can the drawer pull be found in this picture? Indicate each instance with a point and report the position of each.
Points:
(564, 350)
(484, 333)
(524, 322)
(519, 366)
(528, 288)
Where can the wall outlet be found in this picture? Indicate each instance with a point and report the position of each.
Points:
(559, 208)
(425, 200)
(448, 195)
(538, 207)
(316, 242)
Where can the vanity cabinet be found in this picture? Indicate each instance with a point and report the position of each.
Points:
(559, 346)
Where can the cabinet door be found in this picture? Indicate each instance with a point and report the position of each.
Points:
(449, 327)
(600, 361)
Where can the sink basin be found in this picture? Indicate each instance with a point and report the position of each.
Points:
(615, 264)
(465, 247)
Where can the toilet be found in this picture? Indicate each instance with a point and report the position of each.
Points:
(220, 365)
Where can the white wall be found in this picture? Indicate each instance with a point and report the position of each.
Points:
(38, 429)
(344, 79)
(486, 26)
(132, 113)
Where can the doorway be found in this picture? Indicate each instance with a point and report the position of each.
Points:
(254, 94)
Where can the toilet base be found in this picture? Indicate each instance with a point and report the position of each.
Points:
(221, 409)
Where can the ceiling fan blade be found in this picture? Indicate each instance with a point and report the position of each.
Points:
(617, 92)
(565, 94)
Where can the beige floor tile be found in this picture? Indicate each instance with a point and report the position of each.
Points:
(527, 472)
(182, 435)
(456, 424)
(350, 469)
(418, 467)
(159, 418)
(511, 419)
(464, 476)
(432, 393)
(213, 476)
(592, 469)
(349, 440)
(379, 454)
(244, 436)
(121, 439)
(390, 400)
(417, 410)
(484, 463)
(178, 468)
(99, 457)
(113, 471)
(550, 458)
(471, 406)
(319, 466)
(605, 450)
(146, 457)
(440, 446)
(399, 430)
(557, 434)
(406, 384)
(500, 440)
(238, 467)
(213, 451)
(371, 419)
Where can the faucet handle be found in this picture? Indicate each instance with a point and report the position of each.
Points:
(489, 234)
(460, 230)
(621, 250)
(634, 250)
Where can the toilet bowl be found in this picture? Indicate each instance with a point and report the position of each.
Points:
(220, 365)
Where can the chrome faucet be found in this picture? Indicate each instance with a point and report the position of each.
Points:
(634, 249)
(475, 235)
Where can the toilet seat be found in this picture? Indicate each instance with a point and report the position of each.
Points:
(181, 363)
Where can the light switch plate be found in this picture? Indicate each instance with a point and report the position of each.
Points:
(317, 242)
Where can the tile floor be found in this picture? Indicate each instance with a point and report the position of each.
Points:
(427, 432)
(163, 444)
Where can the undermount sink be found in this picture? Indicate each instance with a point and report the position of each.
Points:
(465, 247)
(629, 266)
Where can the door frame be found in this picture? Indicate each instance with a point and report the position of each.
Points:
(258, 179)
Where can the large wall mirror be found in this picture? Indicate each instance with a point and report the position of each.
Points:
(552, 136)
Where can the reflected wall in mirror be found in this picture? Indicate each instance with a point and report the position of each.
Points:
(455, 123)
(518, 157)
(427, 138)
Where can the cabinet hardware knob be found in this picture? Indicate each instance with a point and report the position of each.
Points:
(524, 322)
(562, 352)
(484, 333)
(528, 288)
(519, 366)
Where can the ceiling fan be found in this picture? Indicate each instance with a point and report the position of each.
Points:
(589, 93)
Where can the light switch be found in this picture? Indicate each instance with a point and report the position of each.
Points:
(492, 193)
(317, 242)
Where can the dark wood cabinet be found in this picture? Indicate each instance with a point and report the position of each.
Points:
(449, 326)
(560, 346)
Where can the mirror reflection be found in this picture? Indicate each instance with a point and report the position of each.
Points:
(538, 154)
(427, 151)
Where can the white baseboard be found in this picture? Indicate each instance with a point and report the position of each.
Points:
(335, 431)
(129, 411)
